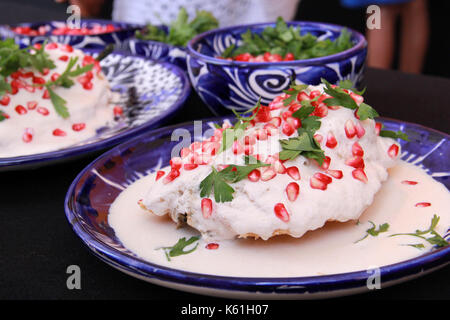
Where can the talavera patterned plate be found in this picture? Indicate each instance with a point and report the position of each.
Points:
(150, 93)
(96, 187)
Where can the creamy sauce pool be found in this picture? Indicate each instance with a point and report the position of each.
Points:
(331, 249)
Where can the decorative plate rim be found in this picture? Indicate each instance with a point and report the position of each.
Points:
(361, 44)
(11, 162)
(282, 285)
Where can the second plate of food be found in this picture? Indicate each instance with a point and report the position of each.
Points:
(75, 105)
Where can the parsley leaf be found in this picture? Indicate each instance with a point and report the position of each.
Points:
(373, 231)
(394, 134)
(304, 145)
(340, 98)
(179, 248)
(366, 112)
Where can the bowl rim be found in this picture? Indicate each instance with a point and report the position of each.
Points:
(360, 45)
(138, 267)
(11, 162)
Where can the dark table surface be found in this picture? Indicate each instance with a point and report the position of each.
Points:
(37, 244)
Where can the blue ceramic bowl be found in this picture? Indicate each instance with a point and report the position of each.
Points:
(157, 50)
(93, 191)
(123, 32)
(224, 85)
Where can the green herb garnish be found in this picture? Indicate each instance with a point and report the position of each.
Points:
(430, 235)
(373, 231)
(394, 134)
(179, 248)
(181, 30)
(218, 181)
(283, 39)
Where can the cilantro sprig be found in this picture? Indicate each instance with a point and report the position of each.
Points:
(181, 30)
(430, 235)
(282, 39)
(218, 182)
(373, 231)
(178, 249)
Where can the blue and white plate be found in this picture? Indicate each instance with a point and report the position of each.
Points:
(150, 93)
(97, 186)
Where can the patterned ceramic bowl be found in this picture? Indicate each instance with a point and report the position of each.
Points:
(157, 50)
(224, 85)
(109, 32)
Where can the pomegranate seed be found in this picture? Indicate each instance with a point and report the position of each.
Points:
(175, 163)
(357, 98)
(296, 123)
(249, 140)
(335, 173)
(261, 134)
(295, 107)
(350, 129)
(292, 191)
(268, 173)
(118, 111)
(67, 48)
(320, 111)
(279, 167)
(323, 177)
(237, 147)
(281, 212)
(276, 121)
(355, 162)
(20, 109)
(357, 150)
(51, 46)
(422, 204)
(302, 96)
(38, 80)
(271, 129)
(31, 105)
(59, 133)
(159, 174)
(248, 150)
(29, 74)
(360, 131)
(360, 175)
(27, 135)
(210, 147)
(254, 175)
(393, 151)
(184, 152)
(326, 163)
(212, 246)
(289, 56)
(409, 182)
(190, 166)
(331, 141)
(287, 129)
(378, 127)
(54, 76)
(78, 126)
(64, 58)
(206, 208)
(319, 138)
(46, 95)
(286, 114)
(88, 85)
(172, 175)
(5, 100)
(42, 110)
(317, 184)
(293, 172)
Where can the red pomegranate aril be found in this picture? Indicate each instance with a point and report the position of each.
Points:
(302, 96)
(360, 175)
(159, 174)
(243, 57)
(323, 177)
(78, 126)
(409, 182)
(357, 150)
(422, 204)
(237, 147)
(185, 152)
(31, 105)
(268, 173)
(281, 212)
(295, 107)
(55, 76)
(64, 58)
(51, 46)
(27, 135)
(319, 138)
(320, 111)
(326, 163)
(261, 134)
(67, 48)
(360, 131)
(335, 173)
(293, 172)
(118, 111)
(350, 130)
(331, 141)
(206, 208)
(296, 123)
(276, 121)
(46, 95)
(59, 133)
(190, 166)
(20, 109)
(357, 98)
(286, 114)
(292, 191)
(172, 175)
(378, 127)
(88, 86)
(287, 129)
(254, 175)
(212, 246)
(279, 167)
(248, 150)
(38, 80)
(176, 163)
(42, 110)
(317, 184)
(355, 162)
(393, 151)
(271, 129)
(5, 100)
(249, 140)
(289, 56)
